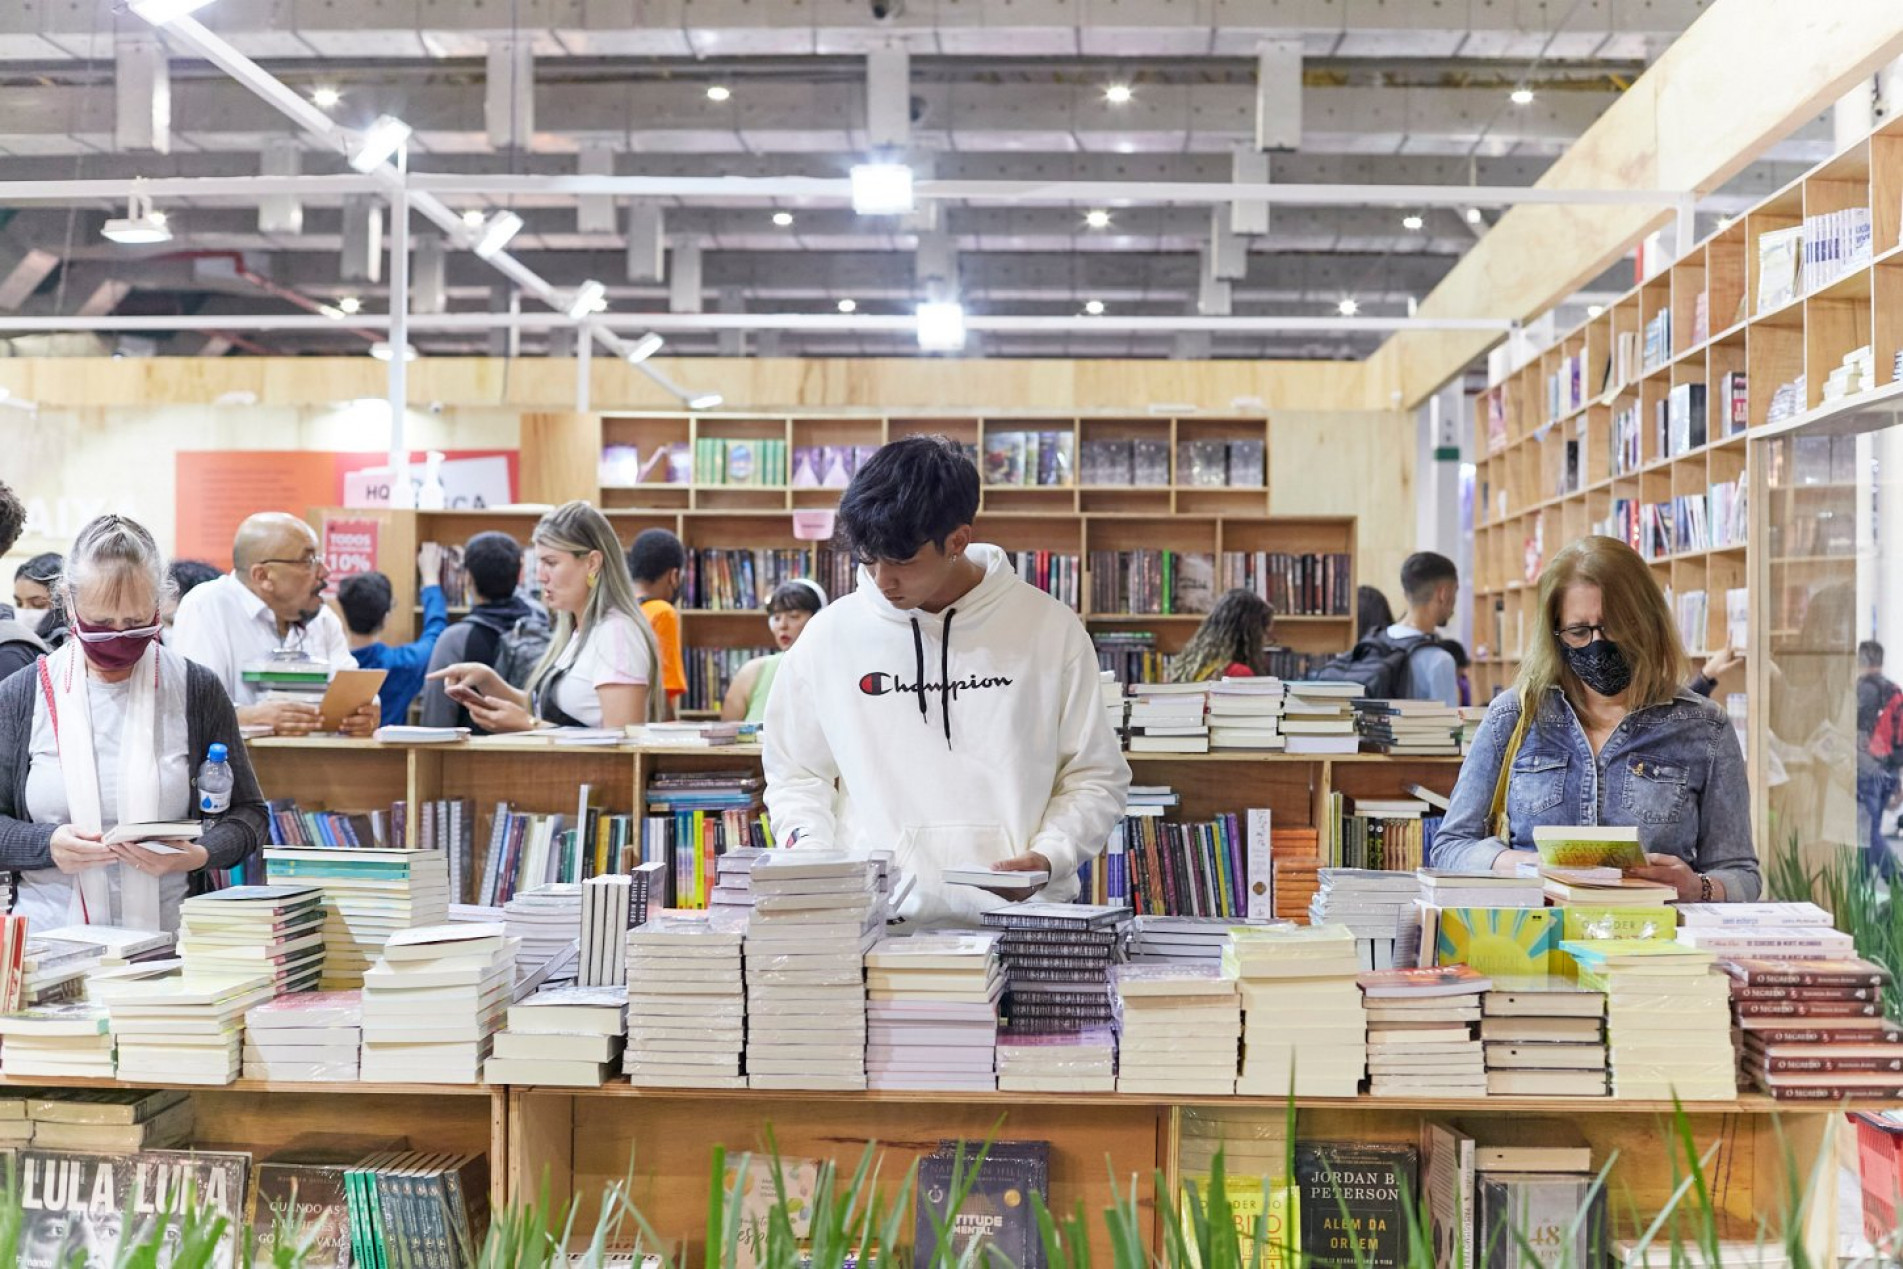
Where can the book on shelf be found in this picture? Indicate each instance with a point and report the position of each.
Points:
(1151, 582)
(289, 825)
(1526, 1221)
(412, 1207)
(726, 579)
(624, 467)
(1658, 339)
(740, 461)
(1781, 254)
(368, 895)
(301, 1186)
(1293, 583)
(1356, 1202)
(104, 1190)
(828, 466)
(994, 1221)
(710, 672)
(1835, 243)
(692, 818)
(1685, 418)
(1027, 459)
(1733, 404)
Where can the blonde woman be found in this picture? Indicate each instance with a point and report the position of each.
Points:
(1613, 738)
(603, 658)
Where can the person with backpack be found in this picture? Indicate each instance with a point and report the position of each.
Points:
(1879, 753)
(20, 644)
(1407, 660)
(503, 630)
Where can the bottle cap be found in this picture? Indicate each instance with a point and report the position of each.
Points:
(217, 753)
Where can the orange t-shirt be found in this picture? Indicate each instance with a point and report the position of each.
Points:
(667, 632)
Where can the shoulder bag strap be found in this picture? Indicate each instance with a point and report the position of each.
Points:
(1497, 821)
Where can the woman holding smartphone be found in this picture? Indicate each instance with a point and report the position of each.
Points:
(599, 665)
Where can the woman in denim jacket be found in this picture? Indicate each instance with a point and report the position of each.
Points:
(1615, 739)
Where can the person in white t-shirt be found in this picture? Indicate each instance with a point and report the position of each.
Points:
(603, 658)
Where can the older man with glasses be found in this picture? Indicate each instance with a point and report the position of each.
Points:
(272, 600)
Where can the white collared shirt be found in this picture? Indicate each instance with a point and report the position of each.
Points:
(224, 627)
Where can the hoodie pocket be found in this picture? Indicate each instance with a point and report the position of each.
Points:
(926, 850)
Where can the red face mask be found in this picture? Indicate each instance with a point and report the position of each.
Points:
(111, 649)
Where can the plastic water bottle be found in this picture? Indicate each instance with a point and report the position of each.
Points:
(214, 782)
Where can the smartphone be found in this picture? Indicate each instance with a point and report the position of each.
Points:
(463, 694)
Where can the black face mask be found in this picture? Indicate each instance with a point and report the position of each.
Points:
(1601, 666)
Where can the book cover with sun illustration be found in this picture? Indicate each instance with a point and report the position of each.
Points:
(1511, 942)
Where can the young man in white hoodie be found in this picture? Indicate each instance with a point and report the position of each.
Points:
(956, 706)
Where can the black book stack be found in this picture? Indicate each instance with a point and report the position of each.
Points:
(1057, 960)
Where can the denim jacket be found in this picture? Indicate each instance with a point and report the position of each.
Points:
(1673, 770)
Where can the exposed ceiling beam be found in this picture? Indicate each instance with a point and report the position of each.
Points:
(1716, 99)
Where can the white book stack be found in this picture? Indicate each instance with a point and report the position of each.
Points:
(368, 896)
(1319, 720)
(1763, 931)
(547, 920)
(246, 930)
(564, 1037)
(815, 916)
(433, 1000)
(1544, 1039)
(1162, 940)
(1168, 718)
(73, 1038)
(687, 1020)
(181, 1028)
(53, 970)
(1422, 1039)
(932, 1012)
(1303, 1019)
(1376, 904)
(1668, 1018)
(612, 905)
(1058, 1061)
(733, 872)
(1421, 728)
(309, 1035)
(1246, 714)
(114, 945)
(1179, 1029)
(1114, 704)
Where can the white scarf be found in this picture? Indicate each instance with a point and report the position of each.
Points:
(138, 782)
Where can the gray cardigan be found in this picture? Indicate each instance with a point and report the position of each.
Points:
(210, 720)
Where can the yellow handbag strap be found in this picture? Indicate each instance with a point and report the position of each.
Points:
(1497, 822)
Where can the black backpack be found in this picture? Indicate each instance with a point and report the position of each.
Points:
(1379, 663)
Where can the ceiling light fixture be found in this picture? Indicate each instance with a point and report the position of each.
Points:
(705, 401)
(331, 311)
(159, 12)
(644, 347)
(473, 218)
(1094, 307)
(1473, 215)
(326, 98)
(882, 189)
(497, 233)
(590, 297)
(1595, 310)
(381, 351)
(941, 326)
(1348, 307)
(1521, 97)
(718, 92)
(849, 306)
(140, 226)
(1118, 94)
(1412, 221)
(376, 143)
(784, 219)
(1097, 218)
(350, 304)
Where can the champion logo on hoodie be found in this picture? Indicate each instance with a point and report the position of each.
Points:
(879, 683)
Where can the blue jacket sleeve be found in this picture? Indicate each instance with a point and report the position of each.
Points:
(414, 657)
(1465, 841)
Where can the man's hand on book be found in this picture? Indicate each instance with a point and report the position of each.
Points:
(1029, 861)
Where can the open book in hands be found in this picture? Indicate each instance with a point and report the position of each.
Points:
(154, 836)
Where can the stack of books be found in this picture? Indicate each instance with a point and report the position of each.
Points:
(1304, 1025)
(368, 896)
(1377, 905)
(181, 1028)
(1544, 1039)
(1389, 833)
(432, 1002)
(1258, 1167)
(245, 930)
(611, 905)
(1114, 704)
(566, 1037)
(73, 1038)
(1422, 1039)
(109, 1120)
(687, 1021)
(1602, 888)
(1814, 1030)
(1179, 1029)
(1160, 940)
(1401, 727)
(52, 970)
(733, 878)
(1082, 1061)
(1492, 1183)
(1246, 714)
(1668, 1018)
(815, 916)
(1319, 720)
(311, 1035)
(1763, 931)
(547, 921)
(1057, 963)
(1471, 716)
(1297, 874)
(932, 1012)
(693, 817)
(1168, 718)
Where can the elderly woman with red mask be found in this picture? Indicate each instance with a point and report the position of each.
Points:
(111, 730)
